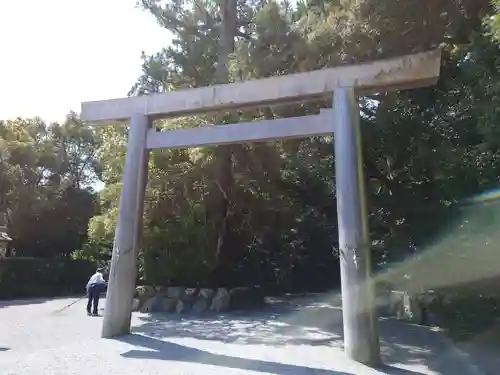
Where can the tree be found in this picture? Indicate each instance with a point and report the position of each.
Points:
(276, 200)
(45, 173)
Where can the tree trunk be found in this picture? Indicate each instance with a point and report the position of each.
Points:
(225, 180)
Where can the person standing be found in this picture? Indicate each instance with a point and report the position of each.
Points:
(95, 286)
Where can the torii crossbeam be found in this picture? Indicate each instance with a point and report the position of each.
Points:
(344, 84)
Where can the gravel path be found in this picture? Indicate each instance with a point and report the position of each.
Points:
(295, 336)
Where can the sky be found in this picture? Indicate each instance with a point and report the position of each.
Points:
(57, 53)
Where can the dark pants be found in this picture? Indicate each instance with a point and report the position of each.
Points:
(93, 293)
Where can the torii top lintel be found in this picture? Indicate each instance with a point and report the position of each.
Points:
(410, 71)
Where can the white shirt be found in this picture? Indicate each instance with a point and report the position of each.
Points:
(96, 278)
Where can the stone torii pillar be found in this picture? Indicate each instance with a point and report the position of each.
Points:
(123, 272)
(361, 339)
(345, 83)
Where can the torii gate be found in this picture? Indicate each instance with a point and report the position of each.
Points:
(344, 83)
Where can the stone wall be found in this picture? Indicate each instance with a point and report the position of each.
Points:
(196, 300)
(417, 309)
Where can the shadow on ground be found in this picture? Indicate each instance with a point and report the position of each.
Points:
(3, 349)
(312, 321)
(485, 356)
(34, 301)
(168, 351)
(20, 302)
(284, 321)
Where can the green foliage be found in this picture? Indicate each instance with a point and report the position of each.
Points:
(468, 314)
(492, 22)
(45, 177)
(34, 277)
(266, 213)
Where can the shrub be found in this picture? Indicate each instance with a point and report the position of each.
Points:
(35, 277)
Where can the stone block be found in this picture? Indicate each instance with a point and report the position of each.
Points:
(148, 305)
(221, 300)
(201, 305)
(175, 292)
(142, 294)
(207, 293)
(181, 307)
(135, 304)
(190, 293)
(203, 300)
(144, 291)
(168, 304)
